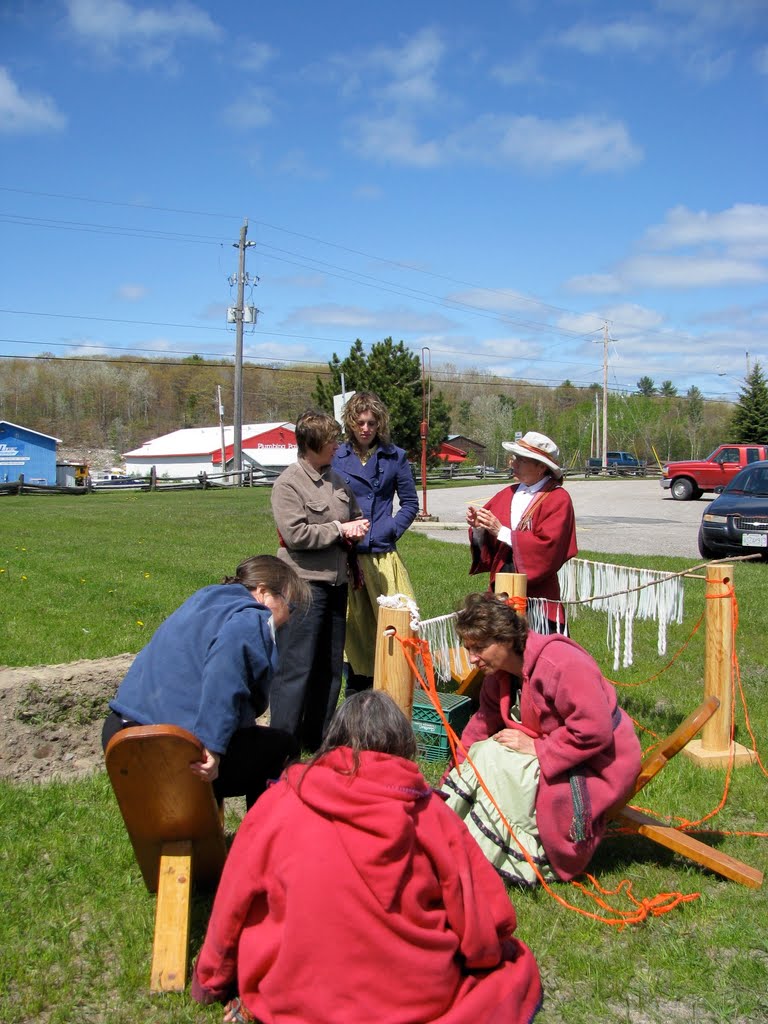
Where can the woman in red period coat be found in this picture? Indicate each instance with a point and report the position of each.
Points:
(529, 527)
(352, 893)
(550, 741)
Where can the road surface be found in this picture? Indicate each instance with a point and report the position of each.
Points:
(615, 516)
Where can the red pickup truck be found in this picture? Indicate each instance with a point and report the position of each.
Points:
(689, 480)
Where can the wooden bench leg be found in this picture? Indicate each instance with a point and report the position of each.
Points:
(687, 846)
(170, 949)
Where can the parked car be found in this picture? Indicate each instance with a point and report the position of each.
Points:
(618, 464)
(736, 522)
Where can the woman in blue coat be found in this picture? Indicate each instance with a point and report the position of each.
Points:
(376, 470)
(208, 669)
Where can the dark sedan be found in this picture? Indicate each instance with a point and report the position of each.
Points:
(736, 522)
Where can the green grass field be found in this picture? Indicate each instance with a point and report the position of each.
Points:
(94, 576)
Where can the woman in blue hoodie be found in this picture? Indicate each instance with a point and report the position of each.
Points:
(375, 470)
(208, 668)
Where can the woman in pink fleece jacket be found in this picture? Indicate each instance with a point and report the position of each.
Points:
(549, 740)
(353, 893)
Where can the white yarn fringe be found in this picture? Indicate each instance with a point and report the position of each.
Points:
(401, 602)
(625, 594)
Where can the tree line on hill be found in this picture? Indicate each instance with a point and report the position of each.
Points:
(119, 403)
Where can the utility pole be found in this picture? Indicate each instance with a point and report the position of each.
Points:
(605, 397)
(221, 428)
(242, 245)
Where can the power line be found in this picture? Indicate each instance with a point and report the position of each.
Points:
(459, 377)
(411, 268)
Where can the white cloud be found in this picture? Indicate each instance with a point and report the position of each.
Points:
(498, 299)
(692, 249)
(298, 164)
(742, 224)
(409, 70)
(371, 193)
(26, 113)
(392, 140)
(132, 292)
(357, 318)
(254, 56)
(151, 32)
(595, 284)
(655, 271)
(597, 143)
(251, 110)
(707, 66)
(632, 36)
(523, 71)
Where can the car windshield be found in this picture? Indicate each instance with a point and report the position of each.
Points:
(753, 482)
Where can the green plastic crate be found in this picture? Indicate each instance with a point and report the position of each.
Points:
(431, 737)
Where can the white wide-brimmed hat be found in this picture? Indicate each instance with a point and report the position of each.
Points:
(537, 446)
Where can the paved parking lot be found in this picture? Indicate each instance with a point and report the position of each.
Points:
(613, 516)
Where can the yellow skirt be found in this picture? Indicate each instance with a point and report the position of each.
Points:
(384, 575)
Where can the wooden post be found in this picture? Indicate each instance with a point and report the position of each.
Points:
(515, 584)
(171, 943)
(714, 747)
(391, 671)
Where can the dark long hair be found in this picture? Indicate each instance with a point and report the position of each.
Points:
(275, 576)
(369, 720)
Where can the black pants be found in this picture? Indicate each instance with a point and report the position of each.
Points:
(305, 690)
(254, 756)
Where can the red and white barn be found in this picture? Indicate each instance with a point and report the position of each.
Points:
(185, 453)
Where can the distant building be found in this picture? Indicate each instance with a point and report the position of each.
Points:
(185, 453)
(450, 454)
(28, 453)
(474, 450)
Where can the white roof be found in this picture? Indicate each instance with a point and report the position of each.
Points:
(199, 440)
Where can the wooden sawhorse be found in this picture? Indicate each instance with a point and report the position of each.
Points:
(672, 838)
(175, 827)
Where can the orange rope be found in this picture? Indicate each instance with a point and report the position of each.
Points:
(692, 826)
(654, 906)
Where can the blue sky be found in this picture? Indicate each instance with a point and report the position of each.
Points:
(491, 182)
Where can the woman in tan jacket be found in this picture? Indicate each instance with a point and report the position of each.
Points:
(318, 520)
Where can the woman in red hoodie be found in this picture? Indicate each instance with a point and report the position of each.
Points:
(352, 893)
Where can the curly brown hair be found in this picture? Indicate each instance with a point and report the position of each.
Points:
(366, 401)
(486, 619)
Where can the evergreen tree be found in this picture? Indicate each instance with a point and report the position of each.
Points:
(667, 389)
(750, 420)
(646, 386)
(392, 372)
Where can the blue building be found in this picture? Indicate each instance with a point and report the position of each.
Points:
(28, 452)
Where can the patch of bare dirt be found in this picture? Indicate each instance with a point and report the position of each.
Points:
(51, 718)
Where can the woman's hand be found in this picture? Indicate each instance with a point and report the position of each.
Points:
(355, 529)
(514, 739)
(486, 519)
(472, 516)
(208, 768)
